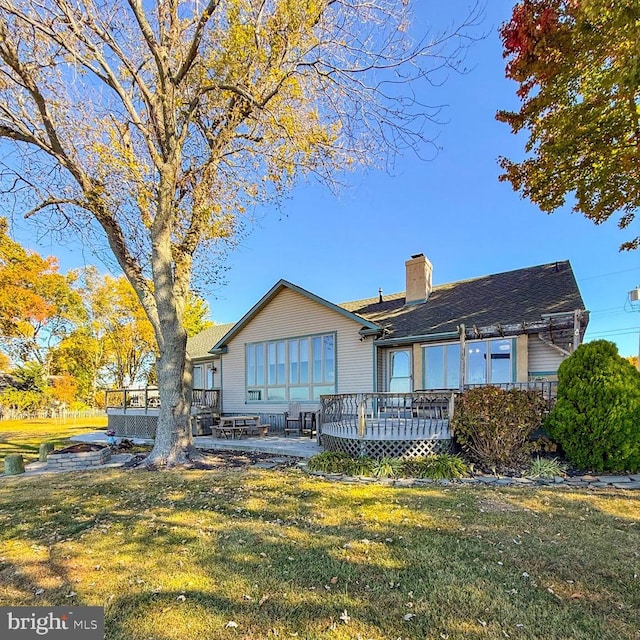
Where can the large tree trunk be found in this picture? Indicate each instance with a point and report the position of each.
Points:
(174, 443)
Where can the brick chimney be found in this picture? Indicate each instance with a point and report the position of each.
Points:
(419, 286)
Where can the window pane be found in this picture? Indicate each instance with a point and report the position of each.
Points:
(282, 364)
(453, 366)
(298, 393)
(329, 359)
(209, 376)
(254, 395)
(271, 363)
(399, 365)
(304, 360)
(197, 377)
(477, 363)
(322, 390)
(293, 361)
(276, 393)
(435, 367)
(500, 361)
(251, 365)
(317, 359)
(259, 364)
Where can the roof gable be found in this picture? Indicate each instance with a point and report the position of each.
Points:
(366, 325)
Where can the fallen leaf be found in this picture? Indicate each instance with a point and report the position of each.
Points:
(407, 617)
(345, 617)
(231, 625)
(334, 580)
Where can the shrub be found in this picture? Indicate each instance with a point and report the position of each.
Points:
(387, 468)
(438, 467)
(596, 418)
(493, 425)
(546, 468)
(330, 462)
(362, 466)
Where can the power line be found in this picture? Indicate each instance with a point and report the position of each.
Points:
(621, 332)
(604, 275)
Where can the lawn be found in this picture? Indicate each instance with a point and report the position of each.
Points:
(252, 554)
(26, 436)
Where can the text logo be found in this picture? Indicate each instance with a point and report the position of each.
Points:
(52, 623)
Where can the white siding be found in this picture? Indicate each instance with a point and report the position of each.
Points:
(289, 315)
(543, 358)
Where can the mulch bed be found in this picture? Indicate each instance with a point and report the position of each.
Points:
(83, 447)
(215, 460)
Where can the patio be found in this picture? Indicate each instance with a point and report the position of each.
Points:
(277, 445)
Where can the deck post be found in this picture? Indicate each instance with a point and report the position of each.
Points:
(452, 399)
(361, 405)
(463, 355)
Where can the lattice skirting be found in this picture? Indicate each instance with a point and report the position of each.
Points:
(386, 448)
(133, 426)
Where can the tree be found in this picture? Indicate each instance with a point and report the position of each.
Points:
(578, 67)
(115, 344)
(595, 418)
(38, 305)
(162, 122)
(81, 356)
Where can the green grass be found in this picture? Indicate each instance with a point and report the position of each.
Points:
(26, 436)
(181, 554)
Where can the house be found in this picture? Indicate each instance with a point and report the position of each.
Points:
(205, 371)
(293, 345)
(387, 367)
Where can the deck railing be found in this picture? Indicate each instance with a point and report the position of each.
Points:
(149, 398)
(382, 416)
(417, 415)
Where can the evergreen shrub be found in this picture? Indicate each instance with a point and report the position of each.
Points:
(493, 425)
(596, 418)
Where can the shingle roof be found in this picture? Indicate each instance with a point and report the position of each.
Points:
(523, 295)
(198, 346)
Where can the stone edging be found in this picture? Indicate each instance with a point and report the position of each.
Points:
(580, 482)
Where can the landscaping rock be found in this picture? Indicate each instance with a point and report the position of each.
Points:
(612, 479)
(634, 484)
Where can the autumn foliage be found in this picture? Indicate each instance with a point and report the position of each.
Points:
(577, 66)
(493, 425)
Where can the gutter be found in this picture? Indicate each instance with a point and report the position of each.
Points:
(429, 337)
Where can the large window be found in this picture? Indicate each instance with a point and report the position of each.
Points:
(487, 362)
(296, 369)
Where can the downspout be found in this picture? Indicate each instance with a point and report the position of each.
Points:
(463, 359)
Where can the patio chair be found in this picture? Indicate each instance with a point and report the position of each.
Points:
(292, 419)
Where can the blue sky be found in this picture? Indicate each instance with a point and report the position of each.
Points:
(451, 208)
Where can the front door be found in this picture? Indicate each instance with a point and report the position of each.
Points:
(400, 378)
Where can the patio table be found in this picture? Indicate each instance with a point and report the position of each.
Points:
(240, 425)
